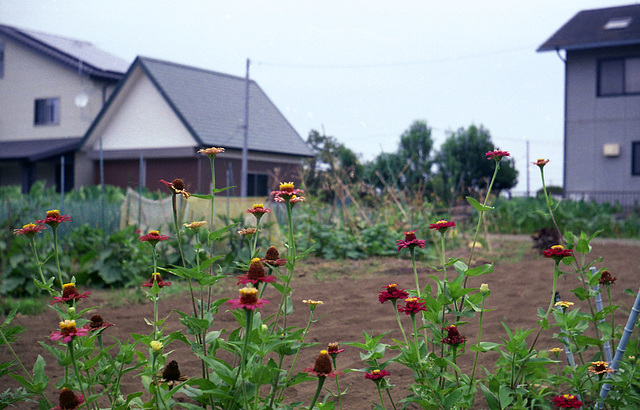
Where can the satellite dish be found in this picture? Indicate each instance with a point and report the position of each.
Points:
(81, 100)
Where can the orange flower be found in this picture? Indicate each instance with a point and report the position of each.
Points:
(600, 367)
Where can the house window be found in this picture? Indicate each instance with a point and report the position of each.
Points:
(635, 158)
(619, 76)
(1, 59)
(257, 185)
(47, 111)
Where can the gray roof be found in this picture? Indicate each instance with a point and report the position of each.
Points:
(74, 53)
(212, 107)
(36, 150)
(587, 29)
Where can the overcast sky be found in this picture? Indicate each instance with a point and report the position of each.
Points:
(361, 71)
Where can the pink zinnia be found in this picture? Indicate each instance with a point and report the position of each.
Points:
(153, 237)
(410, 241)
(258, 210)
(272, 258)
(29, 230)
(412, 306)
(497, 155)
(392, 293)
(248, 300)
(442, 225)
(70, 294)
(67, 331)
(376, 375)
(287, 192)
(68, 400)
(256, 274)
(54, 218)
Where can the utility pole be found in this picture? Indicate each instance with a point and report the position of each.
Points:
(528, 172)
(245, 145)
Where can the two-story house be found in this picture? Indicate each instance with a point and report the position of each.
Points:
(51, 89)
(602, 103)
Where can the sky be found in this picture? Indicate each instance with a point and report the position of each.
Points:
(360, 71)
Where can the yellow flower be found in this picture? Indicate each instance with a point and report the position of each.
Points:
(194, 226)
(484, 288)
(156, 346)
(555, 350)
(313, 302)
(564, 304)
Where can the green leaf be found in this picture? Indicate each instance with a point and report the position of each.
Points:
(480, 270)
(477, 205)
(217, 234)
(505, 396)
(484, 347)
(215, 191)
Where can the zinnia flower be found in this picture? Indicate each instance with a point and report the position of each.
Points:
(334, 349)
(256, 274)
(484, 289)
(153, 237)
(410, 241)
(412, 306)
(376, 375)
(211, 152)
(195, 226)
(322, 367)
(97, 323)
(272, 257)
(564, 304)
(54, 218)
(171, 375)
(567, 401)
(555, 350)
(70, 294)
(67, 331)
(600, 367)
(392, 293)
(287, 192)
(247, 232)
(442, 226)
(541, 162)
(258, 210)
(177, 187)
(557, 253)
(497, 155)
(29, 230)
(248, 300)
(155, 277)
(453, 337)
(68, 400)
(606, 278)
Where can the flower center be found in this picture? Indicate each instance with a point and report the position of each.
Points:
(411, 300)
(258, 206)
(557, 247)
(286, 186)
(54, 213)
(67, 327)
(68, 399)
(272, 254)
(248, 296)
(156, 233)
(171, 372)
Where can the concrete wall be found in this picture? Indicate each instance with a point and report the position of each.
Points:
(593, 121)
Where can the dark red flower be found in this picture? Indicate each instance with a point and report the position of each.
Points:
(29, 230)
(176, 187)
(606, 278)
(272, 258)
(97, 323)
(322, 367)
(412, 306)
(67, 331)
(155, 277)
(567, 401)
(54, 218)
(410, 241)
(153, 237)
(453, 337)
(248, 300)
(497, 155)
(258, 210)
(376, 375)
(557, 253)
(392, 293)
(69, 294)
(68, 400)
(287, 192)
(442, 225)
(256, 274)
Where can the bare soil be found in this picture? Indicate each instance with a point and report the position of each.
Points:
(520, 284)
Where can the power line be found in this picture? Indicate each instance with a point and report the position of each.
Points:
(396, 64)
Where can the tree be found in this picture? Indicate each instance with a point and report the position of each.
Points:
(410, 166)
(463, 168)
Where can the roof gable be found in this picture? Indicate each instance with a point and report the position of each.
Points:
(609, 27)
(80, 55)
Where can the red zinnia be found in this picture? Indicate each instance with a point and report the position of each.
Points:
(272, 257)
(29, 230)
(153, 237)
(54, 218)
(258, 210)
(567, 401)
(454, 337)
(97, 323)
(376, 375)
(392, 293)
(248, 300)
(155, 277)
(67, 331)
(410, 241)
(497, 155)
(68, 400)
(287, 192)
(412, 306)
(606, 278)
(70, 294)
(442, 225)
(256, 274)
(557, 253)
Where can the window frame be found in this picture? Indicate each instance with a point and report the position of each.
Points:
(635, 160)
(2, 58)
(253, 184)
(599, 74)
(46, 111)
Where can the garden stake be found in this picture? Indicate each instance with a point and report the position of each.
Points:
(607, 343)
(622, 346)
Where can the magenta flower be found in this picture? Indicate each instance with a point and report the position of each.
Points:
(68, 400)
(155, 277)
(567, 401)
(248, 300)
(410, 241)
(287, 192)
(54, 218)
(29, 230)
(557, 253)
(68, 331)
(392, 293)
(322, 367)
(153, 237)
(69, 294)
(453, 338)
(97, 323)
(442, 226)
(497, 155)
(377, 375)
(256, 274)
(412, 306)
(258, 210)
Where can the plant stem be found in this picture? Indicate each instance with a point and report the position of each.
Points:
(475, 359)
(390, 398)
(243, 359)
(32, 242)
(380, 395)
(254, 245)
(75, 368)
(415, 271)
(318, 390)
(55, 252)
(333, 359)
(395, 309)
